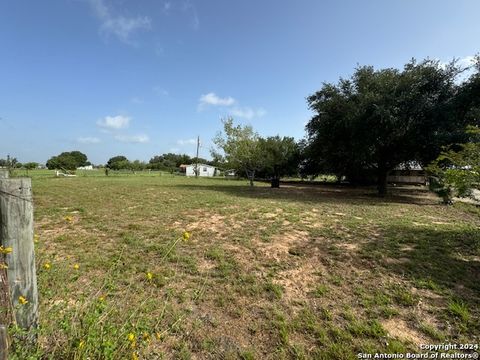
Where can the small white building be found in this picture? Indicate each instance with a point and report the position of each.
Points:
(86, 167)
(203, 170)
(408, 173)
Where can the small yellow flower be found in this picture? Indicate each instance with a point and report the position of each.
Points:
(35, 238)
(186, 235)
(158, 336)
(131, 337)
(5, 250)
(146, 337)
(101, 298)
(68, 218)
(22, 300)
(135, 356)
(3, 266)
(149, 276)
(76, 266)
(81, 344)
(47, 266)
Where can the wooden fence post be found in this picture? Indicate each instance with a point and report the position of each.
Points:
(16, 232)
(5, 304)
(3, 343)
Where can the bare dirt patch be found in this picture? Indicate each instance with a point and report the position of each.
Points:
(298, 281)
(280, 245)
(350, 247)
(399, 328)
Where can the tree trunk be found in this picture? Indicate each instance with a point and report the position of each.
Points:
(382, 182)
(275, 182)
(250, 176)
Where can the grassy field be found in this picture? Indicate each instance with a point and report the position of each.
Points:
(299, 272)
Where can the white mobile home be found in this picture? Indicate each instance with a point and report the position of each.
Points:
(203, 170)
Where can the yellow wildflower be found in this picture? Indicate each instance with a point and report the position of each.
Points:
(76, 266)
(135, 356)
(47, 266)
(131, 337)
(68, 218)
(5, 250)
(22, 300)
(35, 238)
(146, 337)
(81, 344)
(3, 266)
(149, 276)
(186, 235)
(101, 298)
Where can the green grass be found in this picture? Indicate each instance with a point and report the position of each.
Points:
(313, 272)
(459, 309)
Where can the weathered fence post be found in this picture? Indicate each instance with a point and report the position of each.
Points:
(5, 304)
(3, 343)
(16, 238)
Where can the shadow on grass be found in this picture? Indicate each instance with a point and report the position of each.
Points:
(439, 259)
(319, 193)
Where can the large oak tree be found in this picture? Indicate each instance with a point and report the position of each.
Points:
(368, 124)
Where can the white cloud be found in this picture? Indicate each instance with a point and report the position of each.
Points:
(214, 100)
(137, 100)
(160, 91)
(166, 6)
(466, 61)
(187, 142)
(120, 26)
(114, 122)
(189, 7)
(247, 112)
(140, 139)
(196, 20)
(88, 140)
(463, 62)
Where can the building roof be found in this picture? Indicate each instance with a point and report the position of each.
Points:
(200, 165)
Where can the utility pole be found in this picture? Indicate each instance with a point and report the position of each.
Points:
(196, 166)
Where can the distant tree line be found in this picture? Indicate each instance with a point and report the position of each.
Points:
(166, 162)
(171, 162)
(10, 163)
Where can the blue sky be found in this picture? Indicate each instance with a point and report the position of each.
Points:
(141, 78)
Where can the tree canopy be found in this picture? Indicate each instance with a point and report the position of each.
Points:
(242, 149)
(456, 171)
(169, 161)
(239, 147)
(68, 161)
(280, 157)
(368, 124)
